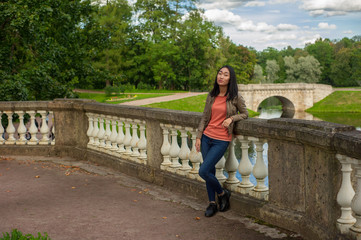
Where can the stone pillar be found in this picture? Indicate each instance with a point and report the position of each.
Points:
(71, 127)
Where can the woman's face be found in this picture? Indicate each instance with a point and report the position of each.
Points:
(223, 77)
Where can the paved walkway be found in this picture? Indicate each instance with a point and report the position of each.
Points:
(76, 200)
(175, 96)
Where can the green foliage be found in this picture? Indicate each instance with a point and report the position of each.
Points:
(258, 74)
(110, 90)
(45, 47)
(338, 62)
(17, 235)
(272, 69)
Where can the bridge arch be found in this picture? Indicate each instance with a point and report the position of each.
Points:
(288, 108)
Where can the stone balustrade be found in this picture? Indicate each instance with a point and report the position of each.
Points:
(311, 187)
(24, 126)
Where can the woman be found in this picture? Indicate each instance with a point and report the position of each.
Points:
(215, 133)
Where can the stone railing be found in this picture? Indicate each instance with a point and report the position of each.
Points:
(26, 124)
(308, 191)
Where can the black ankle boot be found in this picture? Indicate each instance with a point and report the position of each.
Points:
(223, 201)
(211, 210)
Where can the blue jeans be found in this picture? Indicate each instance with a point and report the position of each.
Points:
(212, 151)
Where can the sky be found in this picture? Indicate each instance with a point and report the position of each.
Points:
(281, 23)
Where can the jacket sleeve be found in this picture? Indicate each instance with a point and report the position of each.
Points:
(202, 123)
(242, 109)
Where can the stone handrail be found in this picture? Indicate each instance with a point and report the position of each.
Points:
(308, 192)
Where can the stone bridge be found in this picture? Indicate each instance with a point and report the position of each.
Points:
(295, 97)
(302, 170)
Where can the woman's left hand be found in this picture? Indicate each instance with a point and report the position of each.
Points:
(227, 122)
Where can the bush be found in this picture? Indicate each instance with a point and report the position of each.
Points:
(109, 90)
(144, 86)
(17, 235)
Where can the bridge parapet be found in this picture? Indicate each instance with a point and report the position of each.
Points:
(302, 159)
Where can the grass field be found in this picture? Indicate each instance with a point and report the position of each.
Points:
(101, 97)
(339, 102)
(192, 104)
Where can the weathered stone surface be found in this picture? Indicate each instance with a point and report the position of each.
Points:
(348, 143)
(286, 163)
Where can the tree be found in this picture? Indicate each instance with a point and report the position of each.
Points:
(258, 74)
(46, 47)
(115, 18)
(356, 66)
(291, 69)
(306, 69)
(272, 69)
(309, 69)
(341, 69)
(322, 50)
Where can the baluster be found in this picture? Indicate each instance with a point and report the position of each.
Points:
(120, 137)
(2, 130)
(10, 129)
(21, 129)
(33, 130)
(356, 202)
(44, 130)
(184, 152)
(219, 170)
(113, 136)
(89, 133)
(101, 133)
(52, 128)
(127, 139)
(260, 170)
(345, 195)
(95, 131)
(231, 167)
(134, 142)
(174, 150)
(165, 147)
(245, 167)
(108, 143)
(142, 144)
(195, 158)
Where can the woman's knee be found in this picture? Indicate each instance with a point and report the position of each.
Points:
(202, 173)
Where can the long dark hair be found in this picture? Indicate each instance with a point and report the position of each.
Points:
(232, 90)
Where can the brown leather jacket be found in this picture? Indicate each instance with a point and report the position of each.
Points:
(233, 106)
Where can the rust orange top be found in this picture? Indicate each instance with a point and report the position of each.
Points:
(215, 129)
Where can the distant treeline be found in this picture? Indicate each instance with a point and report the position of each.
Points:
(49, 47)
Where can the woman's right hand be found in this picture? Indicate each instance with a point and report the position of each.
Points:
(198, 144)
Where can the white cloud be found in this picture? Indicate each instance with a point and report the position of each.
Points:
(348, 32)
(255, 4)
(309, 39)
(286, 27)
(226, 17)
(225, 4)
(223, 16)
(331, 7)
(324, 25)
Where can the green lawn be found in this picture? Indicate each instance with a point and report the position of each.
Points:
(339, 101)
(192, 104)
(100, 97)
